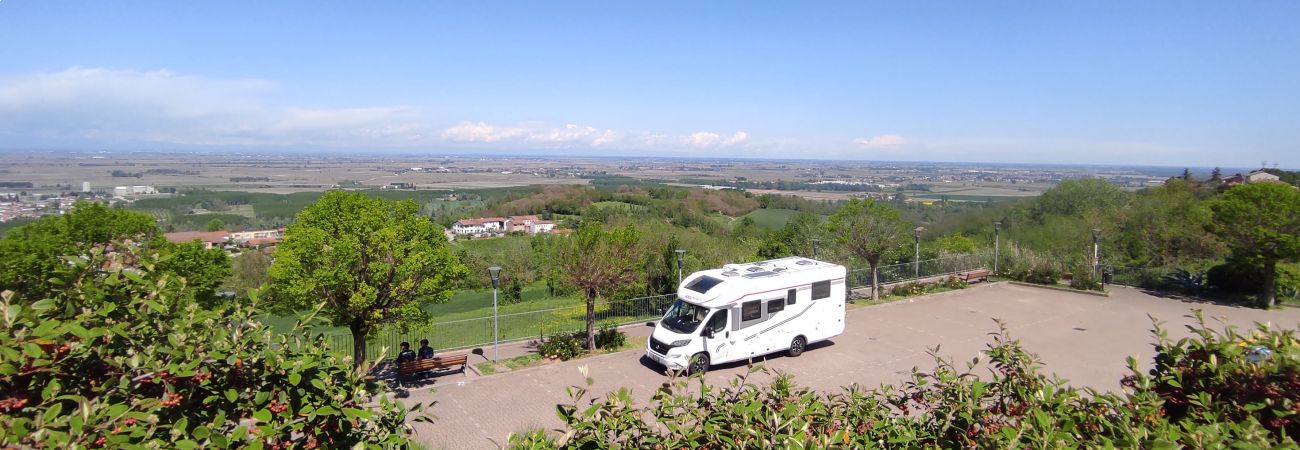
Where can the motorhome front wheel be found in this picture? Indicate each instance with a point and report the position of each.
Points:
(699, 363)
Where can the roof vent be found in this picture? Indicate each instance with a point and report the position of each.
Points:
(754, 269)
(778, 269)
(730, 273)
(804, 262)
(759, 274)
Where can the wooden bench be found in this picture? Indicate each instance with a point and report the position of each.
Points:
(975, 275)
(436, 364)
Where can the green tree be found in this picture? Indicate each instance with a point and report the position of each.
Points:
(30, 254)
(204, 269)
(250, 270)
(802, 233)
(372, 262)
(868, 230)
(1165, 225)
(1260, 220)
(215, 225)
(954, 244)
(1187, 174)
(597, 261)
(1216, 175)
(1077, 197)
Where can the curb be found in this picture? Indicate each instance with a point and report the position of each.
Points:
(1059, 288)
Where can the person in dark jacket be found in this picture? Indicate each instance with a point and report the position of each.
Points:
(425, 351)
(406, 355)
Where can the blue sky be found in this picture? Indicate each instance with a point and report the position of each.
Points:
(1165, 83)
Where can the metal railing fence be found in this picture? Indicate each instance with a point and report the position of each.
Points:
(466, 333)
(896, 273)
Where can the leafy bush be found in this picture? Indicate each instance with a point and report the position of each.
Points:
(1038, 274)
(1237, 275)
(1186, 401)
(119, 354)
(568, 345)
(909, 288)
(1085, 282)
(1228, 377)
(563, 346)
(610, 338)
(955, 283)
(513, 291)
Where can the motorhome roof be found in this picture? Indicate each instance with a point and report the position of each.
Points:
(718, 287)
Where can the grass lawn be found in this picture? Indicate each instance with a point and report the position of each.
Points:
(771, 219)
(466, 320)
(493, 245)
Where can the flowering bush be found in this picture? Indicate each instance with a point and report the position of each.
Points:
(118, 354)
(1203, 393)
(563, 346)
(568, 345)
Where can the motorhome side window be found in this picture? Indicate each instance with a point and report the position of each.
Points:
(789, 296)
(718, 323)
(775, 306)
(821, 289)
(751, 311)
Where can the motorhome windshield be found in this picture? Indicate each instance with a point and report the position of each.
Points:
(684, 317)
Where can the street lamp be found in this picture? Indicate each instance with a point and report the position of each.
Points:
(681, 261)
(1096, 251)
(997, 245)
(917, 234)
(495, 273)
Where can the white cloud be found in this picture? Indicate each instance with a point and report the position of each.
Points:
(703, 139)
(884, 140)
(91, 104)
(541, 135)
(479, 132)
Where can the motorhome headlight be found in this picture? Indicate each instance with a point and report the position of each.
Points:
(680, 343)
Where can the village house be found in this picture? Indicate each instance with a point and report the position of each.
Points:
(209, 238)
(1260, 176)
(258, 238)
(493, 226)
(528, 224)
(483, 225)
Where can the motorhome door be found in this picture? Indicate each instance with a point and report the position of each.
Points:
(721, 346)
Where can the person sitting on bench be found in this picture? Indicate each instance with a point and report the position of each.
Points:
(425, 351)
(406, 355)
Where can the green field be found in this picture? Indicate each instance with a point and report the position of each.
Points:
(771, 219)
(492, 245)
(965, 198)
(620, 206)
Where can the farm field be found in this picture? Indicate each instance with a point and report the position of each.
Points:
(257, 209)
(772, 218)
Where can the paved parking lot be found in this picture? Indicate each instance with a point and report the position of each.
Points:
(1082, 338)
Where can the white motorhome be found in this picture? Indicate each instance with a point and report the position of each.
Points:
(742, 311)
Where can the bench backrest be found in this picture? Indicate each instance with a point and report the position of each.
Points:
(436, 362)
